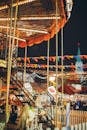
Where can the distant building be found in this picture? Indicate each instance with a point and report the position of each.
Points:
(79, 64)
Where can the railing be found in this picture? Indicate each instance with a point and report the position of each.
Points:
(76, 117)
(77, 120)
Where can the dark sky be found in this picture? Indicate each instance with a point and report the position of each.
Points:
(75, 31)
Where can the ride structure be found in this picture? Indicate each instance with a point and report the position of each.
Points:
(19, 28)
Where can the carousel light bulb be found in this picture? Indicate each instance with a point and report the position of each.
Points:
(52, 78)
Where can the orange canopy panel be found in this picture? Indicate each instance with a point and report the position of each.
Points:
(37, 20)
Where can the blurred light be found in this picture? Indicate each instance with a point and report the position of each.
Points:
(52, 78)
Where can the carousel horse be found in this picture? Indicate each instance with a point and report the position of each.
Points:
(26, 117)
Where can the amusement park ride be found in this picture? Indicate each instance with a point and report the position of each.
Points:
(25, 23)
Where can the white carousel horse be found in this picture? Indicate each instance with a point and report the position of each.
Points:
(26, 117)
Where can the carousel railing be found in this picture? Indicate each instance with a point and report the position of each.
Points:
(76, 117)
(77, 120)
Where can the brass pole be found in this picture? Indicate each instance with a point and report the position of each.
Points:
(48, 63)
(56, 116)
(9, 67)
(10, 53)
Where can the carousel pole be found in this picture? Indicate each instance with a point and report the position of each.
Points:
(24, 76)
(62, 64)
(48, 47)
(7, 30)
(56, 116)
(48, 64)
(9, 68)
(62, 78)
(10, 51)
(14, 31)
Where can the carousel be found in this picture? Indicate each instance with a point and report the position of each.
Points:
(36, 99)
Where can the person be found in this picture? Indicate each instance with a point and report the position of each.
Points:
(13, 114)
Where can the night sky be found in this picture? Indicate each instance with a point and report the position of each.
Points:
(75, 31)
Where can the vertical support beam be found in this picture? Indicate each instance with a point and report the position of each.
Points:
(56, 107)
(9, 68)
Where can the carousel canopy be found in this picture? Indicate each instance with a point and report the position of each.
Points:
(33, 21)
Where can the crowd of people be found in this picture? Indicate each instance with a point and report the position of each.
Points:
(79, 105)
